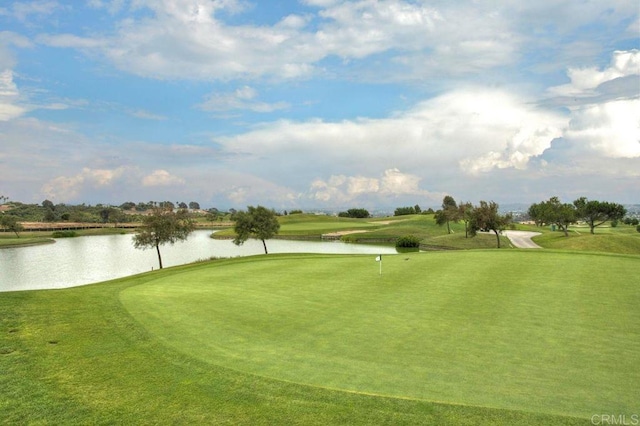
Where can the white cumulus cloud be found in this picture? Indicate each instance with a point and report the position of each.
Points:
(340, 190)
(611, 129)
(469, 130)
(585, 81)
(65, 188)
(162, 178)
(9, 97)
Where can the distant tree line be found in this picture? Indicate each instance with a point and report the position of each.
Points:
(141, 207)
(358, 213)
(593, 212)
(47, 211)
(403, 211)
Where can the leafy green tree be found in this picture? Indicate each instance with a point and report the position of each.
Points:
(536, 214)
(167, 205)
(486, 217)
(10, 223)
(464, 213)
(105, 214)
(448, 213)
(129, 205)
(49, 215)
(116, 216)
(193, 205)
(595, 213)
(257, 222)
(554, 212)
(163, 226)
(355, 213)
(403, 211)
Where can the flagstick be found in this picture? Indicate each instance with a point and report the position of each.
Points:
(380, 264)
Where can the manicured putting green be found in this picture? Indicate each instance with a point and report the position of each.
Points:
(536, 331)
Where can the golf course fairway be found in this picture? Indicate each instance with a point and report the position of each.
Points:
(535, 331)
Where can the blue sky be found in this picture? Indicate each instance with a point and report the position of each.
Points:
(319, 103)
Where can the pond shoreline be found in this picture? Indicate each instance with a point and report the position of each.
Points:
(73, 262)
(27, 244)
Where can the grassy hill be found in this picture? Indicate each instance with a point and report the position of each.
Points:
(467, 337)
(621, 239)
(380, 230)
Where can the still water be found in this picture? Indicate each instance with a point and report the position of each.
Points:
(84, 260)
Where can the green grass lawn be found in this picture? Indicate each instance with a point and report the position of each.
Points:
(621, 239)
(521, 332)
(26, 238)
(473, 337)
(10, 240)
(377, 229)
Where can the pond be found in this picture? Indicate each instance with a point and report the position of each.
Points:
(84, 260)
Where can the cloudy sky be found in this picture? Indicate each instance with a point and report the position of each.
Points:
(319, 103)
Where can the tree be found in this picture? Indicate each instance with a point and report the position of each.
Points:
(116, 216)
(486, 217)
(193, 205)
(105, 212)
(257, 222)
(129, 205)
(464, 213)
(163, 226)
(553, 212)
(595, 213)
(49, 215)
(355, 213)
(535, 214)
(49, 207)
(10, 223)
(448, 213)
(167, 205)
(403, 211)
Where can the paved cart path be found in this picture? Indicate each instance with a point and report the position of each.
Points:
(522, 239)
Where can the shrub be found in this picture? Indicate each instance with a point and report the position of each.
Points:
(63, 234)
(403, 211)
(638, 228)
(408, 241)
(355, 213)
